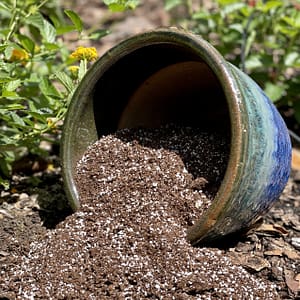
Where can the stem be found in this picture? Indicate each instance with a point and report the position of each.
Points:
(244, 41)
(13, 22)
(280, 69)
(83, 68)
(189, 5)
(294, 136)
(37, 8)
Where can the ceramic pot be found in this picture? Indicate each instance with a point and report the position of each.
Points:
(171, 75)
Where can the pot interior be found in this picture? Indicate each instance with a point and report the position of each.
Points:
(158, 84)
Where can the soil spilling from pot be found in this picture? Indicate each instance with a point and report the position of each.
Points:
(139, 189)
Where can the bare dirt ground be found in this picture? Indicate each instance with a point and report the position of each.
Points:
(36, 202)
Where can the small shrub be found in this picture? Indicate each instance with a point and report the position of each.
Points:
(37, 75)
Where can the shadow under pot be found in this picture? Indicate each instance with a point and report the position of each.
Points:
(173, 76)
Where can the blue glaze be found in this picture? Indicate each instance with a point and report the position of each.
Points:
(281, 156)
(265, 161)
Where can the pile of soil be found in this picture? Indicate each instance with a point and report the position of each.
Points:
(128, 240)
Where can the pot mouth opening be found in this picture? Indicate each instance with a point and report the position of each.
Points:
(157, 84)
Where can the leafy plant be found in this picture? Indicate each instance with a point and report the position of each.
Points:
(260, 37)
(121, 5)
(37, 75)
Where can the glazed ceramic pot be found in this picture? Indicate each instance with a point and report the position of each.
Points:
(171, 75)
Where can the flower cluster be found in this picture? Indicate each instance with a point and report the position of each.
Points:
(85, 53)
(74, 71)
(19, 55)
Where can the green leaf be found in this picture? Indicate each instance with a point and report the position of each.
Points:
(73, 16)
(5, 7)
(297, 19)
(51, 46)
(82, 70)
(274, 91)
(46, 29)
(232, 8)
(98, 34)
(9, 49)
(250, 41)
(201, 15)
(269, 5)
(66, 81)
(4, 182)
(48, 89)
(6, 158)
(291, 59)
(27, 43)
(35, 20)
(288, 31)
(170, 4)
(29, 122)
(14, 106)
(293, 20)
(13, 85)
(237, 27)
(64, 29)
(226, 2)
(48, 32)
(253, 62)
(3, 47)
(38, 116)
(231, 36)
(8, 143)
(116, 7)
(121, 5)
(9, 94)
(17, 119)
(45, 111)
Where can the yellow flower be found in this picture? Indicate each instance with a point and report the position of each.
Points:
(74, 71)
(19, 55)
(50, 167)
(50, 122)
(88, 53)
